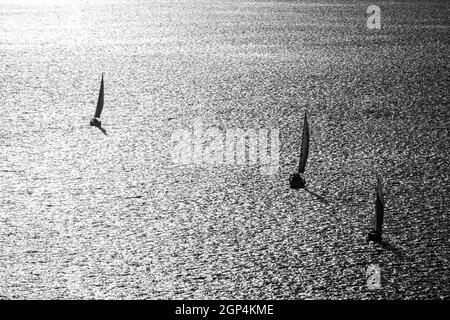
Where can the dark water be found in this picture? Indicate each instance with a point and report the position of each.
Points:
(87, 215)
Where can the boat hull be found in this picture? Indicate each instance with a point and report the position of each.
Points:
(95, 122)
(296, 181)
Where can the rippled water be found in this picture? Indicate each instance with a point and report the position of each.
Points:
(87, 215)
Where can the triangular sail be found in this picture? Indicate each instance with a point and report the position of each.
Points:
(379, 207)
(379, 190)
(305, 146)
(98, 110)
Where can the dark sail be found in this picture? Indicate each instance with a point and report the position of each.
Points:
(99, 109)
(305, 146)
(379, 190)
(379, 207)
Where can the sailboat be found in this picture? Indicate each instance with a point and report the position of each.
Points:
(377, 220)
(296, 181)
(98, 111)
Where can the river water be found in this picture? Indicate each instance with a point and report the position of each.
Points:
(85, 215)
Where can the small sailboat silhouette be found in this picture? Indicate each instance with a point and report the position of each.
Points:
(98, 111)
(296, 181)
(377, 220)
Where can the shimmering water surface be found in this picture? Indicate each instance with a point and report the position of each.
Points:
(87, 215)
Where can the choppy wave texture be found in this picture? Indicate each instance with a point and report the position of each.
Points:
(84, 215)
